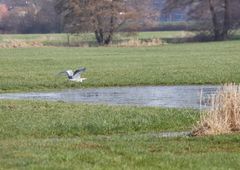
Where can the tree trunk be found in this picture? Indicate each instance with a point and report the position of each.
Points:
(110, 35)
(105, 37)
(226, 23)
(99, 36)
(216, 28)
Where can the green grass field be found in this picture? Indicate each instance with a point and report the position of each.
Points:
(46, 135)
(57, 135)
(33, 69)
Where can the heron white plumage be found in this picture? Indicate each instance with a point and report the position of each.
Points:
(76, 75)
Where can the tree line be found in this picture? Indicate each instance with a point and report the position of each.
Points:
(29, 16)
(105, 17)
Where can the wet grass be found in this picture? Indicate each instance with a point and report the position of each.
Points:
(117, 152)
(33, 69)
(46, 135)
(46, 119)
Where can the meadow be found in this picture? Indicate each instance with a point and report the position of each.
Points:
(58, 135)
(34, 69)
(46, 135)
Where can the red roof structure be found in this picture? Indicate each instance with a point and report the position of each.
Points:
(3, 11)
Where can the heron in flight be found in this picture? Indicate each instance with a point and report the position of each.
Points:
(76, 75)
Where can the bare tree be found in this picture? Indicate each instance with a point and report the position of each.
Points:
(104, 17)
(217, 16)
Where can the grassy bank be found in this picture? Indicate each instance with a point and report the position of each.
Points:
(41, 135)
(32, 69)
(46, 119)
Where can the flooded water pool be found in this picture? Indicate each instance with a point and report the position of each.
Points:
(157, 96)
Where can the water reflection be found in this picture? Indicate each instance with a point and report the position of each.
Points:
(160, 96)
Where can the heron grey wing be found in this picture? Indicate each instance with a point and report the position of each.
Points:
(80, 70)
(77, 73)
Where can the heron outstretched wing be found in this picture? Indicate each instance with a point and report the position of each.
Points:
(80, 70)
(77, 73)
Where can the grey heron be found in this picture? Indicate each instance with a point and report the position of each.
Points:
(76, 75)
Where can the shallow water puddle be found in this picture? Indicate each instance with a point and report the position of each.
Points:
(167, 134)
(156, 96)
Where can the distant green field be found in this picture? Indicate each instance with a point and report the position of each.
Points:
(31, 69)
(61, 39)
(165, 34)
(158, 34)
(74, 39)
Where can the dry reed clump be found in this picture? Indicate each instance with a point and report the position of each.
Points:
(141, 43)
(224, 115)
(20, 44)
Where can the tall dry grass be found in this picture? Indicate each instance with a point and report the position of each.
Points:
(140, 43)
(20, 44)
(224, 114)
